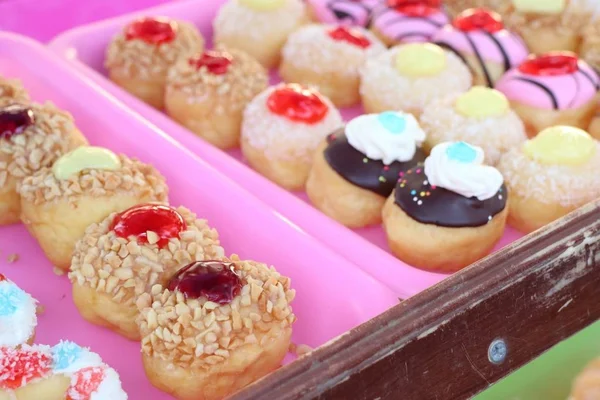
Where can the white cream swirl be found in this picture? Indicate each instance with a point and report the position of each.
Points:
(390, 136)
(458, 167)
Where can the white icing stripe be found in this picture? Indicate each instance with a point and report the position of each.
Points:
(18, 317)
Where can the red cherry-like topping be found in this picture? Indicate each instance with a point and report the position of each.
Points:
(164, 221)
(2, 278)
(216, 62)
(215, 280)
(21, 366)
(14, 119)
(298, 104)
(151, 30)
(85, 382)
(415, 8)
(551, 64)
(349, 35)
(478, 19)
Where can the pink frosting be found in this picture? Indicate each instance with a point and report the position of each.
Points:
(352, 12)
(405, 28)
(551, 92)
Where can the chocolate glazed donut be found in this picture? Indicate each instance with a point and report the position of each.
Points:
(433, 205)
(358, 169)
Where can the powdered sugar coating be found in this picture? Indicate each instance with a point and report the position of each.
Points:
(495, 135)
(281, 138)
(347, 12)
(18, 317)
(400, 27)
(566, 185)
(12, 91)
(311, 47)
(381, 80)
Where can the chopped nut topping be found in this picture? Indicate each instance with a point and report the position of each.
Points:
(12, 258)
(12, 91)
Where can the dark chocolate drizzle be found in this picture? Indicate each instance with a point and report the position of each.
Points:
(549, 92)
(438, 206)
(343, 15)
(358, 169)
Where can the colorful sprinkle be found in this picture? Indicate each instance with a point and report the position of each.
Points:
(365, 160)
(422, 194)
(392, 122)
(65, 354)
(490, 218)
(413, 192)
(461, 152)
(11, 298)
(415, 199)
(418, 171)
(401, 174)
(419, 202)
(85, 382)
(499, 197)
(433, 187)
(402, 185)
(425, 182)
(19, 367)
(386, 168)
(382, 179)
(428, 193)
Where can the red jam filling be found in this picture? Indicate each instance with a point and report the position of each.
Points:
(298, 104)
(478, 19)
(551, 64)
(87, 381)
(415, 8)
(2, 278)
(20, 366)
(151, 30)
(14, 119)
(214, 280)
(351, 36)
(165, 221)
(216, 62)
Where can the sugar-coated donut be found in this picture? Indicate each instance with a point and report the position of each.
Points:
(138, 58)
(552, 89)
(65, 371)
(357, 167)
(217, 327)
(455, 7)
(346, 12)
(123, 256)
(18, 315)
(32, 136)
(551, 175)
(587, 384)
(479, 37)
(282, 129)
(12, 91)
(448, 213)
(208, 93)
(259, 27)
(329, 57)
(409, 76)
(481, 117)
(83, 187)
(403, 21)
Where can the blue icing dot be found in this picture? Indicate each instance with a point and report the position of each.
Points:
(11, 298)
(65, 354)
(462, 152)
(392, 122)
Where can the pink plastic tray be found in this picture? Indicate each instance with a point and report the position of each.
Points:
(333, 294)
(85, 48)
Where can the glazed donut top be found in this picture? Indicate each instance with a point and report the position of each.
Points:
(147, 47)
(453, 188)
(127, 253)
(12, 91)
(94, 177)
(347, 12)
(32, 137)
(211, 309)
(18, 317)
(555, 80)
(90, 378)
(409, 20)
(481, 33)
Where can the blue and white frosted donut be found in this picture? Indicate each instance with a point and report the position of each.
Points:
(18, 317)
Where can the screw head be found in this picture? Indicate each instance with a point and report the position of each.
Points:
(497, 351)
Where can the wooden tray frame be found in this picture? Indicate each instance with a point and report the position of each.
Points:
(462, 335)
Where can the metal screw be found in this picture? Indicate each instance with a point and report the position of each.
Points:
(497, 351)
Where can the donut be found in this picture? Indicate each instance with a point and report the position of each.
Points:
(346, 12)
(555, 88)
(329, 57)
(281, 130)
(12, 91)
(32, 136)
(259, 27)
(208, 92)
(455, 7)
(64, 371)
(127, 253)
(139, 57)
(18, 315)
(82, 187)
(481, 117)
(447, 213)
(217, 327)
(550, 175)
(478, 37)
(357, 167)
(587, 384)
(404, 21)
(409, 76)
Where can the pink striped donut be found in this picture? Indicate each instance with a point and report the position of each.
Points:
(351, 12)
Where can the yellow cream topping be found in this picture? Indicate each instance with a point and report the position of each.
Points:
(85, 157)
(420, 59)
(262, 5)
(561, 145)
(540, 6)
(482, 102)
